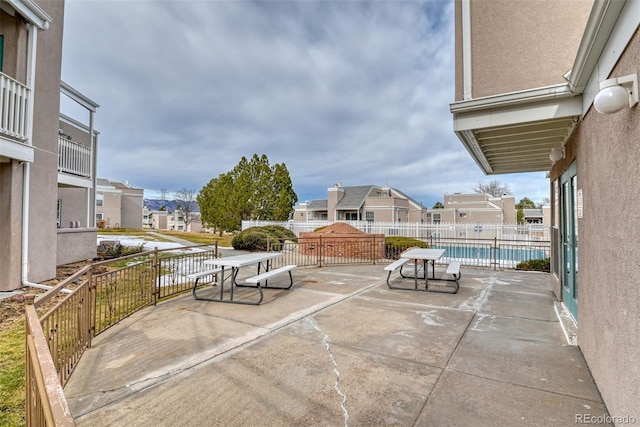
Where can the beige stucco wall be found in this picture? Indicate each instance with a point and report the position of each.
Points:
(15, 46)
(10, 225)
(607, 151)
(111, 209)
(44, 170)
(132, 209)
(508, 37)
(73, 206)
(76, 244)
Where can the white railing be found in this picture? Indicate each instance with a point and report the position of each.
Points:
(14, 108)
(73, 158)
(521, 232)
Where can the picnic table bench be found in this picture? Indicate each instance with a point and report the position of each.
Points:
(233, 264)
(425, 255)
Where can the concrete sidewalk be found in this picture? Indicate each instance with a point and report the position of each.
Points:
(340, 348)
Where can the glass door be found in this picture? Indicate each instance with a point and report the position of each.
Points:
(569, 203)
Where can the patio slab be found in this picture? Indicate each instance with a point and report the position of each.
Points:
(340, 348)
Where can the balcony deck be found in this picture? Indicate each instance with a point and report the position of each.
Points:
(340, 348)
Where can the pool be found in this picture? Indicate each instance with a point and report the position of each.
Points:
(509, 255)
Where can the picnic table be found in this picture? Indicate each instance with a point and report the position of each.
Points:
(425, 256)
(232, 265)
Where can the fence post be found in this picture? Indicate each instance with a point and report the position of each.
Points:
(320, 251)
(89, 306)
(155, 273)
(495, 253)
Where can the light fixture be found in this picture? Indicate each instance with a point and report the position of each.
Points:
(556, 154)
(615, 93)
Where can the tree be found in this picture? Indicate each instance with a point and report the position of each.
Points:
(186, 202)
(438, 205)
(494, 188)
(524, 203)
(251, 190)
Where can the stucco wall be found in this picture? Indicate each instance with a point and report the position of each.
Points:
(44, 170)
(76, 244)
(607, 151)
(508, 37)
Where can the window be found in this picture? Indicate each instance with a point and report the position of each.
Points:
(436, 218)
(1, 51)
(99, 199)
(98, 217)
(351, 216)
(463, 214)
(59, 214)
(369, 216)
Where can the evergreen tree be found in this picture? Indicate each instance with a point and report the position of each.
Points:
(251, 190)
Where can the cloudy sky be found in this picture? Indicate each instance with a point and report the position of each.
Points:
(346, 91)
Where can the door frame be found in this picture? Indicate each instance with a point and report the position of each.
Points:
(569, 239)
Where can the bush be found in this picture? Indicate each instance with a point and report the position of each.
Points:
(119, 250)
(535, 265)
(394, 246)
(257, 238)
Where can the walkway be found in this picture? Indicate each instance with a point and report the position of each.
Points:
(341, 349)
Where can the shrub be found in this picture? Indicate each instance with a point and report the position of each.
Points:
(119, 250)
(535, 265)
(394, 246)
(257, 238)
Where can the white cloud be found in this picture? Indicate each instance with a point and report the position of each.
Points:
(347, 91)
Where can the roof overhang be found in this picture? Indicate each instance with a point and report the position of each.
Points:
(32, 12)
(515, 132)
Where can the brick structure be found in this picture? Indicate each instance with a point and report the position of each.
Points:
(342, 240)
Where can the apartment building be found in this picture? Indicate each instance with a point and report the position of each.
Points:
(552, 86)
(42, 192)
(474, 209)
(362, 203)
(118, 204)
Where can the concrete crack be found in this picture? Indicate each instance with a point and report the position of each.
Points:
(327, 345)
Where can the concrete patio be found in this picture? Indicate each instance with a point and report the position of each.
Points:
(341, 349)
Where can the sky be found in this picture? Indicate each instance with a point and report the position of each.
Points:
(348, 91)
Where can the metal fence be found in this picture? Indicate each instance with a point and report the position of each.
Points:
(486, 253)
(103, 296)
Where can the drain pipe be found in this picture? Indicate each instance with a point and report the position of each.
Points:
(26, 180)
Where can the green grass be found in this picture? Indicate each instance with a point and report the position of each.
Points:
(12, 376)
(199, 238)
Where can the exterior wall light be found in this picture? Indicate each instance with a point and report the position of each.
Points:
(616, 93)
(556, 154)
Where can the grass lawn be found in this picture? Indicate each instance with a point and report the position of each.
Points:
(199, 238)
(12, 386)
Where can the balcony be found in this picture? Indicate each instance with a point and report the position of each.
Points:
(15, 99)
(74, 162)
(14, 106)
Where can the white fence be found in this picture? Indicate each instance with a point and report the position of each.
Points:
(520, 233)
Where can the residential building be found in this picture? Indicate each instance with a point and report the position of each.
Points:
(474, 208)
(118, 204)
(176, 221)
(526, 83)
(362, 203)
(36, 175)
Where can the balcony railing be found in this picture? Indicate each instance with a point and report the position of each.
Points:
(14, 108)
(73, 158)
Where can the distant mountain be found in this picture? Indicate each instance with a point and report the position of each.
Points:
(156, 204)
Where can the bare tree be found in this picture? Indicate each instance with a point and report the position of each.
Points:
(186, 202)
(494, 188)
